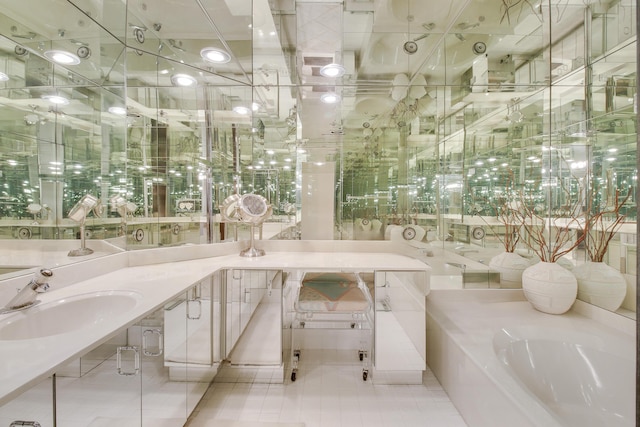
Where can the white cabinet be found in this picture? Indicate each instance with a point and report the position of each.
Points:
(151, 373)
(400, 319)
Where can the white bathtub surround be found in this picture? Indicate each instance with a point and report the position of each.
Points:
(549, 287)
(589, 361)
(510, 265)
(601, 285)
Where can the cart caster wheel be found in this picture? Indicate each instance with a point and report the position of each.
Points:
(353, 326)
(296, 354)
(365, 374)
(302, 324)
(361, 356)
(293, 376)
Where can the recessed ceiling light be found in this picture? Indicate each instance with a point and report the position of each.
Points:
(56, 99)
(240, 109)
(332, 70)
(62, 57)
(330, 98)
(3, 77)
(120, 111)
(183, 80)
(213, 54)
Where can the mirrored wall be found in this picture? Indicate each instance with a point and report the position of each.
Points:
(440, 115)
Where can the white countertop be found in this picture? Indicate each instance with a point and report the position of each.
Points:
(23, 363)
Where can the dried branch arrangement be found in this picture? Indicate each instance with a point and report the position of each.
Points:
(601, 226)
(552, 238)
(508, 6)
(507, 214)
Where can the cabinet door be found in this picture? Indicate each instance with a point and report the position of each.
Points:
(400, 341)
(162, 338)
(102, 387)
(201, 368)
(33, 406)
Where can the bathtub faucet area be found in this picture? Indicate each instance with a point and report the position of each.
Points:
(27, 296)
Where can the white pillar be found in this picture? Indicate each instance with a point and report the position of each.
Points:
(318, 200)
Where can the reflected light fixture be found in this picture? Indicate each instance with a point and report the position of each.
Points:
(3, 77)
(215, 55)
(62, 57)
(240, 109)
(56, 99)
(332, 70)
(183, 80)
(120, 111)
(330, 98)
(79, 214)
(253, 210)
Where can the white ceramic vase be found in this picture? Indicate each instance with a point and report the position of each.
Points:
(510, 265)
(549, 287)
(601, 285)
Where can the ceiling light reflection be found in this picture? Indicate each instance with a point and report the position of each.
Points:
(62, 57)
(330, 98)
(332, 70)
(215, 55)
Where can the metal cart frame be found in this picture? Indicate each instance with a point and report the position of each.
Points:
(331, 315)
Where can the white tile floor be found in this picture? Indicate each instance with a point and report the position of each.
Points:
(328, 392)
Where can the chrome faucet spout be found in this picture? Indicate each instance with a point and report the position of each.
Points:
(27, 296)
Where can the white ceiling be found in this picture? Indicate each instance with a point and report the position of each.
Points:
(274, 45)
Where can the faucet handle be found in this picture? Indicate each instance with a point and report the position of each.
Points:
(42, 275)
(45, 272)
(42, 288)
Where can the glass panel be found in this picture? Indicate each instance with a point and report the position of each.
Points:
(399, 320)
(112, 366)
(33, 405)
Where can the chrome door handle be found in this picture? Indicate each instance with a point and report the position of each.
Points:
(136, 360)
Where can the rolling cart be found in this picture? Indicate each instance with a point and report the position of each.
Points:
(334, 300)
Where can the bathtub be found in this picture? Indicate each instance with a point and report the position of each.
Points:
(503, 363)
(581, 380)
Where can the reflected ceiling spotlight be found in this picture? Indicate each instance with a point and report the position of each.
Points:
(56, 99)
(19, 50)
(410, 47)
(330, 98)
(83, 52)
(62, 57)
(117, 110)
(215, 55)
(138, 33)
(79, 214)
(241, 109)
(3, 77)
(479, 48)
(183, 80)
(332, 70)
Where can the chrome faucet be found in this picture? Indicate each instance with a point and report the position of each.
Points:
(27, 296)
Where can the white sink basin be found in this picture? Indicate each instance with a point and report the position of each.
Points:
(67, 314)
